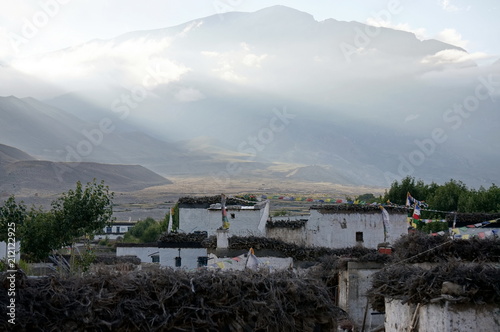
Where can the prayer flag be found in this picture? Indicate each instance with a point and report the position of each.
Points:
(416, 212)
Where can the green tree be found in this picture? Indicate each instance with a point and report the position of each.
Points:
(447, 196)
(481, 200)
(11, 213)
(368, 198)
(418, 189)
(175, 217)
(77, 213)
(147, 230)
(39, 234)
(152, 233)
(83, 211)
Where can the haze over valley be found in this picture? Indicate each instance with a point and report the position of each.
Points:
(268, 100)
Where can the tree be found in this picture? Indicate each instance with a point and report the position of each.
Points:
(147, 230)
(11, 213)
(368, 198)
(39, 234)
(481, 200)
(447, 196)
(83, 211)
(418, 189)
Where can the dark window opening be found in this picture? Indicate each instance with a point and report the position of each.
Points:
(359, 236)
(109, 229)
(233, 216)
(178, 262)
(155, 259)
(202, 261)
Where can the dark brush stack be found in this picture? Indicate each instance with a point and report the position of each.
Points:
(458, 271)
(168, 300)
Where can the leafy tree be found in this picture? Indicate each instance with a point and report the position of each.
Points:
(447, 196)
(11, 213)
(147, 230)
(481, 200)
(80, 212)
(418, 189)
(175, 217)
(152, 233)
(39, 234)
(368, 198)
(83, 211)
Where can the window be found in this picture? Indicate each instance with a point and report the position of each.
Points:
(359, 236)
(178, 262)
(202, 261)
(129, 228)
(155, 259)
(109, 229)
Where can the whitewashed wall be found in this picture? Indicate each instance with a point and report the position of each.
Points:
(167, 255)
(143, 253)
(189, 257)
(199, 219)
(117, 230)
(338, 230)
(288, 235)
(442, 317)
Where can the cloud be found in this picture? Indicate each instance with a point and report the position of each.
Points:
(187, 95)
(451, 36)
(449, 7)
(230, 64)
(453, 56)
(253, 60)
(126, 63)
(420, 33)
(446, 5)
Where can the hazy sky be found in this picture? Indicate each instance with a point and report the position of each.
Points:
(29, 27)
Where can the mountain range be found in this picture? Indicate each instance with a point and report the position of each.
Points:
(270, 94)
(21, 173)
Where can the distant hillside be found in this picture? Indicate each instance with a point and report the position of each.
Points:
(9, 154)
(19, 171)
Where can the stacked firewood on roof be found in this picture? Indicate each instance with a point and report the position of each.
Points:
(428, 269)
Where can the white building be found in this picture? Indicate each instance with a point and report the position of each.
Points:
(188, 255)
(115, 230)
(204, 214)
(344, 225)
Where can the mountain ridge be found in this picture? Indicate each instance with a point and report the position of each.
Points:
(19, 171)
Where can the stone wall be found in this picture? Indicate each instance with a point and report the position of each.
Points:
(244, 223)
(339, 229)
(348, 229)
(442, 317)
(354, 283)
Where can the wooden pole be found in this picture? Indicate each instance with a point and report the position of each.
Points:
(225, 221)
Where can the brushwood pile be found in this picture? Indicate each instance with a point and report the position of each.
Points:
(168, 300)
(429, 269)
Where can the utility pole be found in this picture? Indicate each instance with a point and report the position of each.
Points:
(225, 221)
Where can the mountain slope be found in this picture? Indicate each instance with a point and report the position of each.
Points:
(19, 171)
(9, 154)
